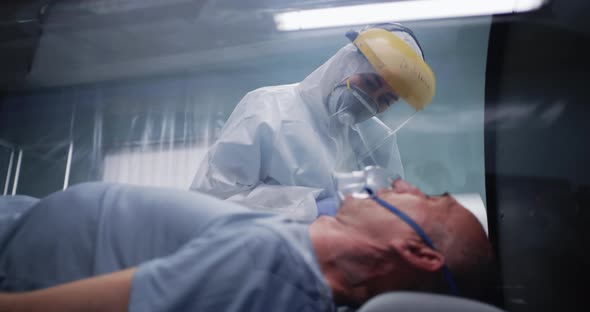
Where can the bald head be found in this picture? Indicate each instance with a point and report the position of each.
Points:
(460, 241)
(460, 237)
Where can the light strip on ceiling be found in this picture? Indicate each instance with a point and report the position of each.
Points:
(398, 12)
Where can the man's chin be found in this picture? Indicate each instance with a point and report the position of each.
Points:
(325, 219)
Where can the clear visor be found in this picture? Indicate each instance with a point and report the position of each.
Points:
(372, 143)
(397, 115)
(371, 88)
(377, 142)
(379, 99)
(371, 113)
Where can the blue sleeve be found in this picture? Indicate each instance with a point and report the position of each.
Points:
(245, 269)
(327, 206)
(16, 203)
(97, 228)
(12, 207)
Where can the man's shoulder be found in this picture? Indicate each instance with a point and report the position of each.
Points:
(273, 233)
(286, 244)
(265, 233)
(281, 249)
(291, 260)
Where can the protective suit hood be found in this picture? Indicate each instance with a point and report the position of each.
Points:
(317, 86)
(276, 153)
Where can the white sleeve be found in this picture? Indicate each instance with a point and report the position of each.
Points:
(234, 171)
(235, 162)
(236, 165)
(294, 202)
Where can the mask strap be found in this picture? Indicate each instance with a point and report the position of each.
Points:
(358, 94)
(404, 217)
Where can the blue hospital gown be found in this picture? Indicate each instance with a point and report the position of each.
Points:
(193, 252)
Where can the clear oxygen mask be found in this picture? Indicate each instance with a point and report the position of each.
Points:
(355, 183)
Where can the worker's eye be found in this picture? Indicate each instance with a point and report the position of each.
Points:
(392, 98)
(373, 82)
(386, 100)
(370, 84)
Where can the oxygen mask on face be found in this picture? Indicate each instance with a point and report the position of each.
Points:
(355, 183)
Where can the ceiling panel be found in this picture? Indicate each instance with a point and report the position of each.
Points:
(98, 40)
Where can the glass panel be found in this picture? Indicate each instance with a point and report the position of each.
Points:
(42, 170)
(5, 162)
(441, 149)
(140, 90)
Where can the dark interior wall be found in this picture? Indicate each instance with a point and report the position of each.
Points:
(537, 151)
(20, 30)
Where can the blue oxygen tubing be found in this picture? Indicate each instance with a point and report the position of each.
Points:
(445, 270)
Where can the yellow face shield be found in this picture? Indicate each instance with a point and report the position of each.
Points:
(399, 65)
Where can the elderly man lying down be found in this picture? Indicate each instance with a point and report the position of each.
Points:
(105, 247)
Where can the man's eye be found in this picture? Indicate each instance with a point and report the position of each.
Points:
(445, 194)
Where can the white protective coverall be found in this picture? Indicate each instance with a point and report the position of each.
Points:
(276, 151)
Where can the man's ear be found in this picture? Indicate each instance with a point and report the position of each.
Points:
(418, 255)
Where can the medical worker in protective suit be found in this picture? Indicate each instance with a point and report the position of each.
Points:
(281, 144)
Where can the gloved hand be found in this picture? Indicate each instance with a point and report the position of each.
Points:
(327, 206)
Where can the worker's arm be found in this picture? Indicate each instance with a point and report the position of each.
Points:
(108, 292)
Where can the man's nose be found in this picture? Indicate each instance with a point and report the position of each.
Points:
(401, 186)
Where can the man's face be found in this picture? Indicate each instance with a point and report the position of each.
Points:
(376, 88)
(426, 211)
(451, 227)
